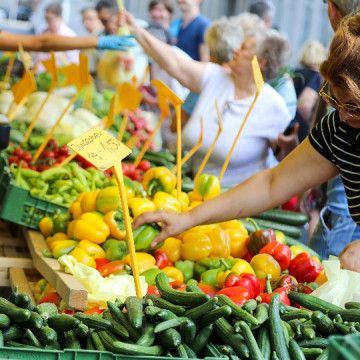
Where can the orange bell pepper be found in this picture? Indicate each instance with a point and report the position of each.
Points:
(171, 248)
(145, 261)
(238, 242)
(195, 246)
(220, 242)
(116, 223)
(92, 249)
(83, 257)
(88, 201)
(265, 264)
(173, 273)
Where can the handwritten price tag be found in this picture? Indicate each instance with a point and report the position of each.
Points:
(100, 148)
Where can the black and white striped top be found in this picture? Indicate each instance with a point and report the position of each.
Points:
(340, 143)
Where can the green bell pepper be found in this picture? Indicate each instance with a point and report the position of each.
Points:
(209, 277)
(187, 269)
(144, 235)
(206, 264)
(60, 223)
(105, 245)
(117, 250)
(150, 275)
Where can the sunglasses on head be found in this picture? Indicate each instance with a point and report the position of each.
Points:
(352, 110)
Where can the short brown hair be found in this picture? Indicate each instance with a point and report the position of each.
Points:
(54, 8)
(167, 3)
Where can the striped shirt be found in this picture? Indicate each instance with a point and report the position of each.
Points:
(340, 143)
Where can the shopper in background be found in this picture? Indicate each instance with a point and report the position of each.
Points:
(56, 25)
(189, 30)
(160, 12)
(331, 148)
(91, 21)
(265, 9)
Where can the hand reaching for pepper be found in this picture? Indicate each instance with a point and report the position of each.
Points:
(172, 223)
(349, 257)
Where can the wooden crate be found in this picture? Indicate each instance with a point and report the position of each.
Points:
(16, 265)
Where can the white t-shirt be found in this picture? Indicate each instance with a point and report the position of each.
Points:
(268, 118)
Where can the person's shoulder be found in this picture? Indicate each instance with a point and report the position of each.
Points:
(203, 20)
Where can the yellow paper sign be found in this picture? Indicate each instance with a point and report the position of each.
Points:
(25, 58)
(129, 97)
(132, 142)
(100, 148)
(24, 87)
(50, 67)
(259, 81)
(167, 92)
(77, 75)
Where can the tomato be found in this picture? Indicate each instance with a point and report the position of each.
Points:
(64, 150)
(144, 165)
(18, 152)
(47, 154)
(125, 168)
(13, 160)
(131, 169)
(33, 167)
(52, 143)
(24, 165)
(26, 156)
(60, 159)
(43, 167)
(137, 175)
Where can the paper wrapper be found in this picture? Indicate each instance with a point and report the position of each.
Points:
(100, 290)
(342, 285)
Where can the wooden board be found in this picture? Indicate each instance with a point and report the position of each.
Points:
(68, 287)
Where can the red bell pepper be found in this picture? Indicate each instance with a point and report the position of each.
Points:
(280, 252)
(101, 262)
(52, 297)
(233, 280)
(266, 297)
(304, 268)
(178, 285)
(208, 289)
(238, 294)
(67, 311)
(286, 281)
(256, 283)
(115, 267)
(94, 310)
(162, 259)
(152, 289)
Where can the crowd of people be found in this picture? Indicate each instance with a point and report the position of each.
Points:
(289, 147)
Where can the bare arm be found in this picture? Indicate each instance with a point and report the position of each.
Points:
(188, 72)
(46, 42)
(306, 103)
(300, 170)
(204, 52)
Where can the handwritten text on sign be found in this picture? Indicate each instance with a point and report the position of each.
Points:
(100, 148)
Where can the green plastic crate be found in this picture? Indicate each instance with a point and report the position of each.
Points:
(30, 354)
(19, 206)
(344, 347)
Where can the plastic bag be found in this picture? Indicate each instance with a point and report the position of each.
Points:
(100, 290)
(342, 285)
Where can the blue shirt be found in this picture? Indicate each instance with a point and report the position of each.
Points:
(190, 37)
(336, 197)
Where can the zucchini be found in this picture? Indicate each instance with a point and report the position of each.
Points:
(170, 338)
(4, 321)
(14, 312)
(117, 329)
(63, 322)
(311, 302)
(254, 349)
(316, 342)
(134, 307)
(284, 217)
(148, 336)
(213, 315)
(323, 323)
(187, 331)
(201, 339)
(263, 341)
(295, 351)
(290, 241)
(164, 304)
(276, 331)
(288, 230)
(178, 297)
(172, 323)
(196, 312)
(94, 321)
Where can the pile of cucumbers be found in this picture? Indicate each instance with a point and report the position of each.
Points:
(184, 324)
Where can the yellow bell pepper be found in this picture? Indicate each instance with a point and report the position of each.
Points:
(234, 224)
(116, 223)
(145, 261)
(206, 187)
(89, 226)
(265, 264)
(321, 278)
(140, 205)
(171, 248)
(184, 199)
(195, 246)
(88, 201)
(158, 179)
(92, 249)
(108, 199)
(173, 273)
(296, 250)
(83, 257)
(238, 242)
(56, 237)
(165, 201)
(220, 243)
(46, 226)
(62, 247)
(75, 208)
(194, 203)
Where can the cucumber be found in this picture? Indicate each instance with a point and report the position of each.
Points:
(284, 217)
(262, 313)
(1, 339)
(352, 305)
(164, 304)
(117, 329)
(286, 333)
(81, 331)
(16, 344)
(211, 350)
(288, 230)
(170, 338)
(187, 331)
(13, 295)
(254, 349)
(276, 331)
(350, 315)
(134, 307)
(213, 315)
(317, 342)
(63, 322)
(311, 353)
(89, 345)
(295, 351)
(189, 351)
(308, 332)
(34, 322)
(181, 352)
(311, 302)
(148, 336)
(13, 332)
(14, 312)
(172, 323)
(299, 314)
(98, 344)
(323, 323)
(46, 335)
(324, 355)
(290, 241)
(201, 339)
(178, 297)
(94, 321)
(4, 321)
(343, 329)
(164, 315)
(24, 301)
(250, 305)
(263, 341)
(151, 311)
(196, 312)
(71, 341)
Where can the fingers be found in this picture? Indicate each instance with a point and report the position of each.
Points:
(295, 129)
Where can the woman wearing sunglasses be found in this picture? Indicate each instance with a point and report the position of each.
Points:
(332, 148)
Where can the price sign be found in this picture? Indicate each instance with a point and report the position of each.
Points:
(50, 67)
(259, 80)
(100, 148)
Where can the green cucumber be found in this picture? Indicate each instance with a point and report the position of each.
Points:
(134, 307)
(13, 295)
(308, 332)
(151, 311)
(94, 321)
(263, 341)
(189, 351)
(14, 312)
(4, 321)
(89, 345)
(164, 304)
(211, 350)
(13, 332)
(311, 302)
(295, 351)
(262, 313)
(1, 339)
(254, 349)
(352, 305)
(196, 312)
(178, 297)
(169, 338)
(98, 344)
(148, 336)
(46, 335)
(16, 344)
(63, 322)
(181, 352)
(312, 353)
(81, 331)
(34, 322)
(70, 340)
(276, 331)
(290, 241)
(201, 339)
(324, 355)
(250, 305)
(323, 323)
(317, 342)
(284, 217)
(117, 329)
(164, 315)
(213, 315)
(187, 331)
(172, 323)
(299, 314)
(24, 301)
